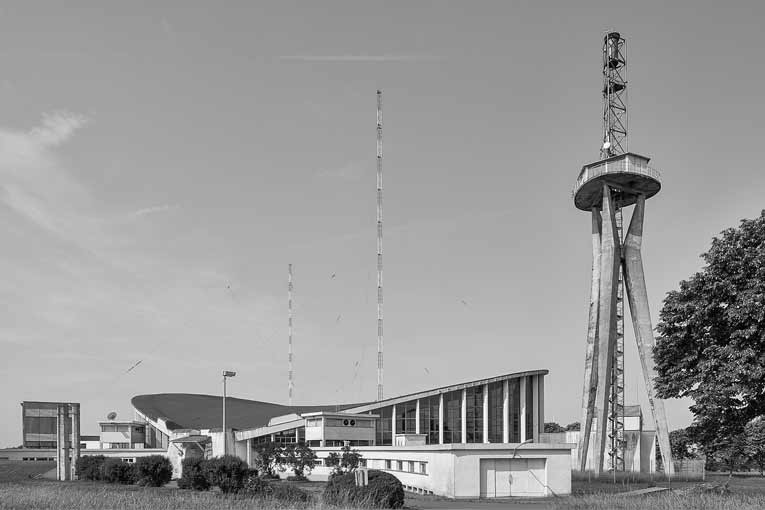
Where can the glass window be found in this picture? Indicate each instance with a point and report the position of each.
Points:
(383, 434)
(529, 407)
(514, 410)
(387, 464)
(496, 404)
(406, 417)
(399, 465)
(429, 418)
(424, 468)
(474, 414)
(453, 417)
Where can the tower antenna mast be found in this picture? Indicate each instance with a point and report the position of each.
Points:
(379, 249)
(289, 330)
(619, 179)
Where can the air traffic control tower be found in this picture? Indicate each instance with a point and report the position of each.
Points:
(604, 188)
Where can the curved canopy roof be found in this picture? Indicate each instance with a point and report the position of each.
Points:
(193, 411)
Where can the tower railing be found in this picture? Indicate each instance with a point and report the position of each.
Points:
(624, 166)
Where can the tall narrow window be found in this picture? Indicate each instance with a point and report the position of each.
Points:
(429, 418)
(384, 434)
(474, 414)
(530, 407)
(514, 410)
(453, 417)
(496, 404)
(406, 417)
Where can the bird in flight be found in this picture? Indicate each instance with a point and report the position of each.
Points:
(333, 275)
(463, 302)
(135, 365)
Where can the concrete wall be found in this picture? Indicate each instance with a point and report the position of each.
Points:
(119, 453)
(454, 470)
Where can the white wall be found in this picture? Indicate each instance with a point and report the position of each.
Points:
(454, 470)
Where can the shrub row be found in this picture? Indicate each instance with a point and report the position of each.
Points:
(231, 475)
(154, 470)
(383, 491)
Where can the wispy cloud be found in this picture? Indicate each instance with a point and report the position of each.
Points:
(153, 210)
(56, 128)
(32, 182)
(362, 58)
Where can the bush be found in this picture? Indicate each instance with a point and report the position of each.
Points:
(384, 491)
(228, 473)
(297, 478)
(154, 470)
(287, 493)
(117, 471)
(193, 474)
(90, 467)
(257, 485)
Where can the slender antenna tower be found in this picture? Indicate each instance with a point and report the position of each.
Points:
(379, 250)
(289, 328)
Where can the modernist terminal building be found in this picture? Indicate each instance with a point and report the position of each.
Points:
(475, 439)
(467, 440)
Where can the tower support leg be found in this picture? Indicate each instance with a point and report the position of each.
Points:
(641, 322)
(610, 262)
(590, 367)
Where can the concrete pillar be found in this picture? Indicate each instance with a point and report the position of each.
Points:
(523, 410)
(75, 408)
(505, 411)
(637, 295)
(535, 407)
(485, 413)
(463, 424)
(249, 453)
(393, 426)
(441, 418)
(591, 353)
(610, 247)
(63, 440)
(417, 417)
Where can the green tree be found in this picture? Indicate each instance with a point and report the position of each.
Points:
(552, 427)
(683, 446)
(573, 426)
(268, 458)
(300, 458)
(754, 442)
(711, 342)
(345, 462)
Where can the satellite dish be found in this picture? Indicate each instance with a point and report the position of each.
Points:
(111, 416)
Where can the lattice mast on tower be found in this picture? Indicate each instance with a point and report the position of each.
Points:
(379, 249)
(614, 144)
(289, 330)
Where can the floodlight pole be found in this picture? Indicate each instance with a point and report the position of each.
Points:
(226, 374)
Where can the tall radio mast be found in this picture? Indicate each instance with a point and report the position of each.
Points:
(379, 250)
(289, 328)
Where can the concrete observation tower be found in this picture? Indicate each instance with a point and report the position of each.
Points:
(604, 188)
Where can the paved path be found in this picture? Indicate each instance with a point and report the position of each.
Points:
(427, 503)
(642, 492)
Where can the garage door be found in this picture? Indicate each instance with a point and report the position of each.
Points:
(501, 478)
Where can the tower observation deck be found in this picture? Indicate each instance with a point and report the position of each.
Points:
(628, 175)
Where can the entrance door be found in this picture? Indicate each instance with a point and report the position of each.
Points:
(495, 478)
(527, 477)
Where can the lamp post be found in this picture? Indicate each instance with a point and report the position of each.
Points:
(226, 374)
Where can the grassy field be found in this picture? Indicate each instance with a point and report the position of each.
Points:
(50, 495)
(18, 471)
(20, 492)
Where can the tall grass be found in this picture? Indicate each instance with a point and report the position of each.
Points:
(91, 495)
(662, 501)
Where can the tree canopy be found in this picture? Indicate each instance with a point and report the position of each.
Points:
(711, 341)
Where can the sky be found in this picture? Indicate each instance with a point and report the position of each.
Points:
(161, 165)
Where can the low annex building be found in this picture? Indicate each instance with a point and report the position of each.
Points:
(467, 440)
